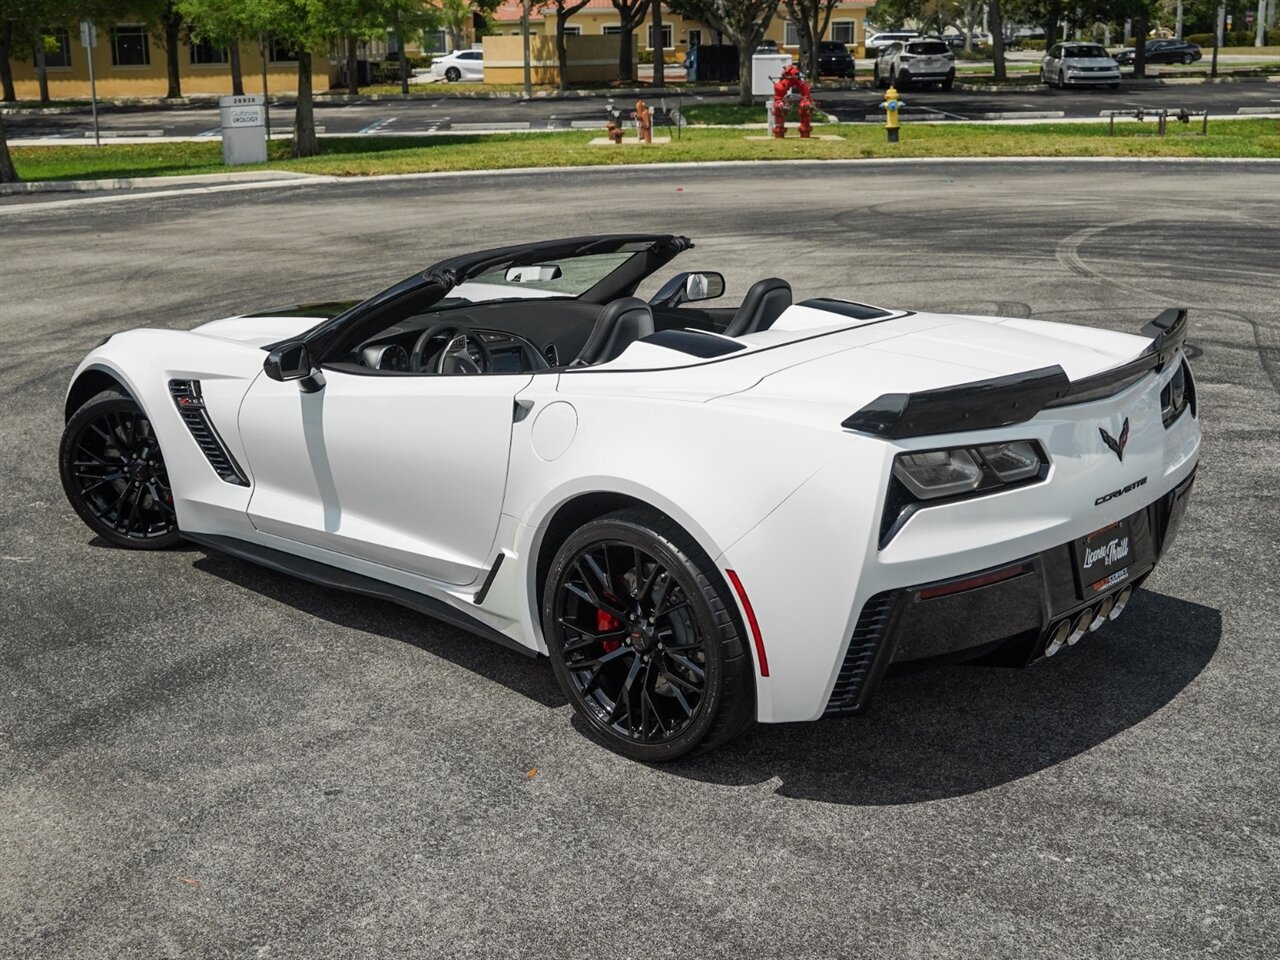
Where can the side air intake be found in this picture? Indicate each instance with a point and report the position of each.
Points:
(190, 404)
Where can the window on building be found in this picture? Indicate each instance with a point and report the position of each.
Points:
(666, 37)
(611, 30)
(572, 30)
(281, 51)
(435, 41)
(695, 38)
(845, 31)
(57, 47)
(791, 36)
(204, 52)
(130, 46)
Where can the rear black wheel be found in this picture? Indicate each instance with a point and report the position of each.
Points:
(114, 474)
(644, 638)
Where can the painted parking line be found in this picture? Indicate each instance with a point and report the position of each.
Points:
(378, 125)
(215, 132)
(1257, 109)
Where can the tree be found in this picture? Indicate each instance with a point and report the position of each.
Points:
(744, 22)
(7, 172)
(564, 10)
(811, 17)
(657, 46)
(223, 23)
(7, 91)
(631, 15)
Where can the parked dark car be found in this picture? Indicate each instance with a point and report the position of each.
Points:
(1164, 51)
(834, 60)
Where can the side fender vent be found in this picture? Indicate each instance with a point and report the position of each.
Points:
(190, 403)
(858, 673)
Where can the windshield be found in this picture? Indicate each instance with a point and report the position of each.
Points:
(1084, 51)
(564, 277)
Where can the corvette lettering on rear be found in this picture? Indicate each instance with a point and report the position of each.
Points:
(1119, 493)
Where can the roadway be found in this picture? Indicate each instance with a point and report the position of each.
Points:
(458, 114)
(200, 757)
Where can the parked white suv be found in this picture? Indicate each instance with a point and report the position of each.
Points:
(921, 61)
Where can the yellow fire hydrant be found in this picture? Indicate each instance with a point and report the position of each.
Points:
(891, 106)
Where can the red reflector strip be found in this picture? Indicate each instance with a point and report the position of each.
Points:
(751, 622)
(972, 583)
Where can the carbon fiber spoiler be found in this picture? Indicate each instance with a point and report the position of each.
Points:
(1016, 398)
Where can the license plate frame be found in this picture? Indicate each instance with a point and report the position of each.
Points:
(1103, 557)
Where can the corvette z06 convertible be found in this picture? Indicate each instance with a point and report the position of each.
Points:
(704, 516)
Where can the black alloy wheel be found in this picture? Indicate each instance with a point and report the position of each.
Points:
(453, 74)
(1187, 58)
(114, 474)
(644, 638)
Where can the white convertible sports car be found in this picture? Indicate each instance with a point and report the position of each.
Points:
(704, 516)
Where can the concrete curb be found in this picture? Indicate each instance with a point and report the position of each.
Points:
(144, 183)
(210, 183)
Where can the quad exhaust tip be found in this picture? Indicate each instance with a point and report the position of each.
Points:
(1122, 601)
(1084, 619)
(1058, 638)
(1069, 632)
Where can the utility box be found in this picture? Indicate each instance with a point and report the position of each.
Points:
(244, 129)
(765, 69)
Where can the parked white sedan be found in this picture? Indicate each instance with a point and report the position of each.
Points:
(459, 65)
(1071, 64)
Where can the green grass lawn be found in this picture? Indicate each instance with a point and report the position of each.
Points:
(365, 156)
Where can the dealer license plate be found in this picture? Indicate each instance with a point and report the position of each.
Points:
(1103, 557)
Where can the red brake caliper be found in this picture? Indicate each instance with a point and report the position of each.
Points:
(606, 622)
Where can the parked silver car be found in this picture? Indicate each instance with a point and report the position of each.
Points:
(1079, 64)
(921, 61)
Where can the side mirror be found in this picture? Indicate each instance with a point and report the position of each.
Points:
(293, 362)
(688, 287)
(703, 286)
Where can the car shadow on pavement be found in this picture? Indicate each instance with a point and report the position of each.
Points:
(955, 730)
(521, 674)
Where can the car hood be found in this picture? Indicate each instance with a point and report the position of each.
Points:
(1089, 62)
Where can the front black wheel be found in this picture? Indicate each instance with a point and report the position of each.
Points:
(453, 74)
(645, 639)
(114, 474)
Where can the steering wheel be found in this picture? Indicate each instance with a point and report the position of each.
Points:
(449, 359)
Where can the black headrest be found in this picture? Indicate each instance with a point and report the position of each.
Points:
(619, 325)
(762, 305)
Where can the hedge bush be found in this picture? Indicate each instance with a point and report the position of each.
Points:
(1237, 38)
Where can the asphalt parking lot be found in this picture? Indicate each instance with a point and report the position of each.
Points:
(201, 758)
(458, 114)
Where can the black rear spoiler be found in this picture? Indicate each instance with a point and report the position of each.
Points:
(1001, 401)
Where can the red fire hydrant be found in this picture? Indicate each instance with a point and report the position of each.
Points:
(644, 122)
(792, 82)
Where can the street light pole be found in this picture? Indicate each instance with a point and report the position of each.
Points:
(266, 99)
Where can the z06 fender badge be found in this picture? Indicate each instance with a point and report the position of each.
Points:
(1119, 493)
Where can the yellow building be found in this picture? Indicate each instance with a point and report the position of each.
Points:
(129, 62)
(598, 17)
